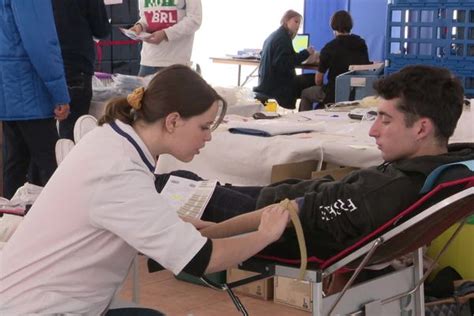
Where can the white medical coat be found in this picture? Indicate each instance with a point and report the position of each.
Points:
(75, 246)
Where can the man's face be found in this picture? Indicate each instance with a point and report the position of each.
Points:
(394, 139)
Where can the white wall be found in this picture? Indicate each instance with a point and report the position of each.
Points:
(229, 26)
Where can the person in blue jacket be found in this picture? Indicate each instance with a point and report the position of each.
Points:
(276, 74)
(33, 92)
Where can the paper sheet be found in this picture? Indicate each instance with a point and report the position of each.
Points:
(133, 35)
(187, 196)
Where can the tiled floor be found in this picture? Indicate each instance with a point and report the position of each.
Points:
(160, 290)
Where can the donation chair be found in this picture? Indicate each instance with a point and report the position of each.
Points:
(395, 293)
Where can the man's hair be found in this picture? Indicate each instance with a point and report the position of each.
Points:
(341, 21)
(425, 91)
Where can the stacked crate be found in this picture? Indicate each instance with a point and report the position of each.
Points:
(434, 32)
(119, 54)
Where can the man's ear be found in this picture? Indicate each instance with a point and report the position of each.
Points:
(425, 128)
(172, 121)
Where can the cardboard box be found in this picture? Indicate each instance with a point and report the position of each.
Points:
(336, 173)
(294, 293)
(293, 170)
(306, 170)
(262, 289)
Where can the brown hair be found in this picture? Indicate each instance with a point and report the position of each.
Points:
(341, 21)
(174, 89)
(425, 91)
(288, 16)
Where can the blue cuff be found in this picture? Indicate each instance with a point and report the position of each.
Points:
(300, 202)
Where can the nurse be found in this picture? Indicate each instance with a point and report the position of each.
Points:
(74, 248)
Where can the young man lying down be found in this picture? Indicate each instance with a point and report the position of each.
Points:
(418, 112)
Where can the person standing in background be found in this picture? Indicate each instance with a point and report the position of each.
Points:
(172, 24)
(33, 91)
(78, 22)
(335, 58)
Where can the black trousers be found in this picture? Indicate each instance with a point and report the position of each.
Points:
(300, 83)
(28, 153)
(80, 92)
(133, 311)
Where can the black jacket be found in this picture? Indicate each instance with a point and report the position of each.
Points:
(336, 214)
(276, 72)
(77, 22)
(336, 57)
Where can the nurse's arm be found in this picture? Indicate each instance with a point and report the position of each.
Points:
(227, 252)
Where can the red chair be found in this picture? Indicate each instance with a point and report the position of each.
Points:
(448, 203)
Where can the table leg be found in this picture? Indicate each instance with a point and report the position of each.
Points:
(238, 74)
(249, 76)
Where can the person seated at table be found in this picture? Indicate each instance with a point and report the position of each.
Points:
(417, 115)
(335, 58)
(277, 77)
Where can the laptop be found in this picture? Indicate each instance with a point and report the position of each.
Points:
(300, 42)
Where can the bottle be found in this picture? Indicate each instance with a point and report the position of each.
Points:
(271, 105)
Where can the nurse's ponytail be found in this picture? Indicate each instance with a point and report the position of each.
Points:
(173, 89)
(117, 109)
(123, 109)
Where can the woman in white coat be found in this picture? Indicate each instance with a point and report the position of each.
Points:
(75, 246)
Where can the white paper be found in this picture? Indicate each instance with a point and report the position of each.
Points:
(108, 2)
(188, 197)
(133, 35)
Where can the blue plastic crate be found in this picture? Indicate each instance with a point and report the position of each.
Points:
(465, 76)
(418, 2)
(441, 32)
(431, 2)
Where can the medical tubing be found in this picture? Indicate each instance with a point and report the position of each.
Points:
(299, 234)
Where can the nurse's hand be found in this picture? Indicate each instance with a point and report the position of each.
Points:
(61, 112)
(273, 222)
(199, 224)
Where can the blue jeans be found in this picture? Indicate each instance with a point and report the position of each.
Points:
(148, 70)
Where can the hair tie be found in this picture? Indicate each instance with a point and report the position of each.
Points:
(135, 98)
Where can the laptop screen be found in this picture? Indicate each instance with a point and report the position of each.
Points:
(300, 42)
